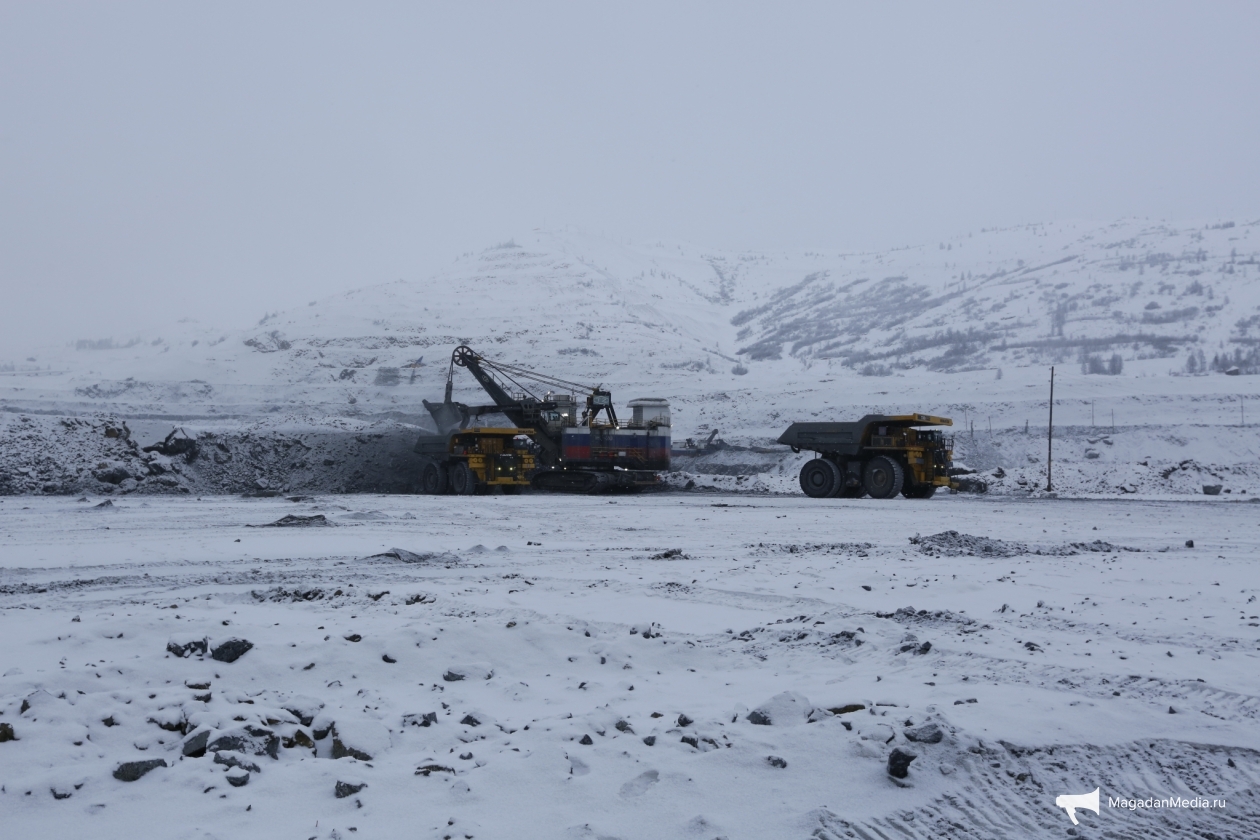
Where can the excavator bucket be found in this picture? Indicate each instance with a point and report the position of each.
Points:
(446, 416)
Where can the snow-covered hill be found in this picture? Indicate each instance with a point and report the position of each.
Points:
(1141, 318)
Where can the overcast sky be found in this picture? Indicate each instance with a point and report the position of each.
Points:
(219, 160)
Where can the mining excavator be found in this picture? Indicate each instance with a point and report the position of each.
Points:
(550, 446)
(880, 456)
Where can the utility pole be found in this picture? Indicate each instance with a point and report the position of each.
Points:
(1050, 437)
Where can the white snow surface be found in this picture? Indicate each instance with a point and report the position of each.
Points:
(1083, 645)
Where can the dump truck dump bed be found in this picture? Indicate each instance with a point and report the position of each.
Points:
(849, 438)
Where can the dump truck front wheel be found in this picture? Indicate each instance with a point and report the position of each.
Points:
(463, 482)
(922, 491)
(433, 478)
(883, 477)
(820, 478)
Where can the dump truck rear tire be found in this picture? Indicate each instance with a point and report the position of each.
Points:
(883, 477)
(433, 478)
(919, 491)
(819, 478)
(463, 482)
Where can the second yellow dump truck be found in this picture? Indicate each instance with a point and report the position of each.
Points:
(878, 456)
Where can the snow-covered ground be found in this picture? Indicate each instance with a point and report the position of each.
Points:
(664, 665)
(688, 663)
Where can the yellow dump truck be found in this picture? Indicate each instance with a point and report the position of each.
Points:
(471, 461)
(879, 455)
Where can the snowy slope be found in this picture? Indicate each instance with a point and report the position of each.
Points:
(748, 342)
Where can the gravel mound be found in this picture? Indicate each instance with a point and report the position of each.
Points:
(954, 544)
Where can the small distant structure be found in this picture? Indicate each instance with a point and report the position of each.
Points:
(418, 363)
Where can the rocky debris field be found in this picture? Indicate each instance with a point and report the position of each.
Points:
(726, 666)
(101, 455)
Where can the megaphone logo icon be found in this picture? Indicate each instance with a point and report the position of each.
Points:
(1071, 801)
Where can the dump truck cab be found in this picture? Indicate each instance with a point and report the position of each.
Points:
(880, 456)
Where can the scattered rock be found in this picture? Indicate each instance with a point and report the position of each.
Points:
(195, 746)
(298, 740)
(294, 521)
(132, 770)
(253, 740)
(230, 760)
(1212, 489)
(238, 777)
(353, 637)
(433, 768)
(671, 554)
(105, 504)
(788, 708)
(899, 763)
(6, 733)
(1189, 543)
(586, 740)
(928, 733)
(650, 740)
(402, 555)
(344, 789)
(469, 720)
(231, 650)
(468, 672)
(361, 739)
(683, 720)
(341, 750)
(426, 719)
(775, 761)
(185, 647)
(844, 710)
(623, 726)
